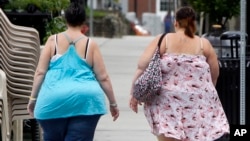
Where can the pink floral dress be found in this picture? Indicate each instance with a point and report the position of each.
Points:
(188, 107)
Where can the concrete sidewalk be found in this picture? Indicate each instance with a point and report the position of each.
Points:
(121, 56)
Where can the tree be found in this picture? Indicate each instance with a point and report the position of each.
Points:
(219, 11)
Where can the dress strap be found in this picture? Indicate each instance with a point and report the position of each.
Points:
(70, 41)
(201, 45)
(79, 38)
(67, 37)
(166, 43)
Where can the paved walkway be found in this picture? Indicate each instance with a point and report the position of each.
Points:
(121, 56)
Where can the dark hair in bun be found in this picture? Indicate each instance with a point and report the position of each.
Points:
(75, 14)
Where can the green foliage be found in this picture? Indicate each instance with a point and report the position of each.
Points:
(56, 25)
(97, 14)
(55, 5)
(220, 11)
(15, 4)
(42, 5)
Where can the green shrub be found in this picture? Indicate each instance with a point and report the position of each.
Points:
(97, 14)
(56, 25)
(43, 5)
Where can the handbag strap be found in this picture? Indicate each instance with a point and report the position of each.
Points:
(159, 43)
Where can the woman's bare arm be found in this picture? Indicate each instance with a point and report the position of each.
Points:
(212, 60)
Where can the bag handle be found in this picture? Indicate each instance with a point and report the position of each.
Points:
(160, 40)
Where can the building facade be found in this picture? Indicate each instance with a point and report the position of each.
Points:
(159, 7)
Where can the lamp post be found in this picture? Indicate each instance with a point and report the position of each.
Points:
(242, 62)
(91, 19)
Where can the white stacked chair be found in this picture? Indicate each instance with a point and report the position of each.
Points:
(4, 115)
(19, 54)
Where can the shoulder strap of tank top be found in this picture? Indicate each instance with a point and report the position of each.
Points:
(56, 46)
(70, 41)
(86, 50)
(166, 43)
(201, 45)
(67, 37)
(77, 39)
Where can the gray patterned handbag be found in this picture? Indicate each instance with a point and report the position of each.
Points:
(149, 83)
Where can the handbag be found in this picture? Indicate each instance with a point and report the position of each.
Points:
(148, 84)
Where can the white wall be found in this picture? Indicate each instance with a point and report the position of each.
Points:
(95, 3)
(124, 5)
(152, 23)
(161, 14)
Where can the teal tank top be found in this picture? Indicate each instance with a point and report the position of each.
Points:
(69, 89)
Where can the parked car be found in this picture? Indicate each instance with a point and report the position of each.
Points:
(139, 30)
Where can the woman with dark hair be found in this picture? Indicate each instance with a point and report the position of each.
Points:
(70, 84)
(187, 107)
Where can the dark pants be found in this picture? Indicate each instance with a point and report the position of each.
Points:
(79, 128)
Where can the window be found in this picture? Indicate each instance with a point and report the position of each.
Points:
(166, 5)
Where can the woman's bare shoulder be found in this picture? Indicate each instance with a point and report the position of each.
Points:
(205, 41)
(207, 47)
(92, 43)
(50, 41)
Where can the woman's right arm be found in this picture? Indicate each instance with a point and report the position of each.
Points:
(40, 72)
(145, 59)
(141, 66)
(42, 66)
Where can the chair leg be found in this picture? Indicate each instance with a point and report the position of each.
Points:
(5, 131)
(41, 133)
(18, 130)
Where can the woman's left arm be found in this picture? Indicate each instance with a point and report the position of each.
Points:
(212, 60)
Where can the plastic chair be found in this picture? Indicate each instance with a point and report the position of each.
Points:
(19, 54)
(20, 30)
(5, 128)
